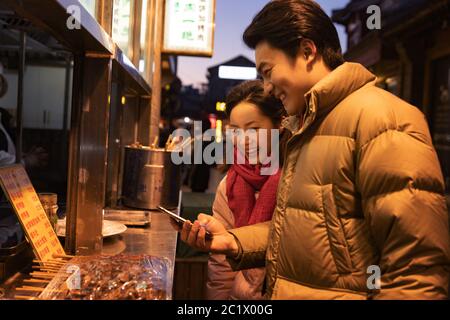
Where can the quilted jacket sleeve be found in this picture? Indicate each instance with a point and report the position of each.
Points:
(402, 190)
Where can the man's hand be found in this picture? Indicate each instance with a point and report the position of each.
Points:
(194, 235)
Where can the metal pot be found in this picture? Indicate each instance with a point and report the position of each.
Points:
(150, 179)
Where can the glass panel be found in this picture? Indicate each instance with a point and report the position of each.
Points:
(144, 30)
(121, 28)
(90, 6)
(47, 97)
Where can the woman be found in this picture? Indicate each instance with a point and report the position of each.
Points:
(245, 196)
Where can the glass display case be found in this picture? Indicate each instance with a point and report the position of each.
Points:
(91, 6)
(122, 24)
(144, 34)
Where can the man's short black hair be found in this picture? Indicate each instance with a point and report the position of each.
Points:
(283, 23)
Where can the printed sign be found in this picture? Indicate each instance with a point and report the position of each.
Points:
(189, 27)
(22, 196)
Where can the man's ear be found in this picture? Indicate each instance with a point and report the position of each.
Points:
(308, 50)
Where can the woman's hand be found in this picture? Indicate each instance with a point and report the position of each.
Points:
(194, 235)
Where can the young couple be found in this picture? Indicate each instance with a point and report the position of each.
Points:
(360, 188)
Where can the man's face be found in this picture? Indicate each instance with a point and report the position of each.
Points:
(284, 77)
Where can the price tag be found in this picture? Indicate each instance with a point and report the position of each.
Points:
(25, 201)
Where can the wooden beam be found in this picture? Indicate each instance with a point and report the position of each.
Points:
(149, 40)
(105, 14)
(135, 32)
(156, 82)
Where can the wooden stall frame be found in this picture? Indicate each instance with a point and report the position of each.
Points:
(95, 55)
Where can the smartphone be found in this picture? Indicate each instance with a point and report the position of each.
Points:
(181, 220)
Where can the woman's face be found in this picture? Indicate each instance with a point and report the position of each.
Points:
(247, 117)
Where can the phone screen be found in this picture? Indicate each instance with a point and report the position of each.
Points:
(181, 220)
(172, 215)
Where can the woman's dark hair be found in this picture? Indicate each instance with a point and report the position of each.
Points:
(284, 23)
(253, 92)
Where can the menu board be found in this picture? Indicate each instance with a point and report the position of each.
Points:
(22, 196)
(189, 27)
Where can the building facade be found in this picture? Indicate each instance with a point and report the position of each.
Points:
(410, 54)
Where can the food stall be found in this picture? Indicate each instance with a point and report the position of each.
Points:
(112, 58)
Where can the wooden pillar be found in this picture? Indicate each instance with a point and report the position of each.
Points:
(156, 82)
(149, 40)
(105, 14)
(135, 34)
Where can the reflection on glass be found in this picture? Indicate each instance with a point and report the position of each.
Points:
(144, 30)
(121, 24)
(90, 6)
(144, 22)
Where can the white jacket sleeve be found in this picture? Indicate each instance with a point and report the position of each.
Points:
(220, 275)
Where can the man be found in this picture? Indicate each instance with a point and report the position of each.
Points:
(361, 189)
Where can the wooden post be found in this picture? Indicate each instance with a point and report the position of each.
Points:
(105, 14)
(156, 82)
(149, 40)
(136, 33)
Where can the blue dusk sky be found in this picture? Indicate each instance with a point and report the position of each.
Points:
(232, 17)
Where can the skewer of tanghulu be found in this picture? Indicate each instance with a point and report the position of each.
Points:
(154, 145)
(50, 268)
(169, 142)
(49, 265)
(37, 281)
(56, 262)
(65, 256)
(35, 286)
(56, 259)
(38, 289)
(42, 276)
(45, 268)
(21, 297)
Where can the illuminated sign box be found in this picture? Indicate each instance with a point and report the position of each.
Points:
(237, 73)
(189, 27)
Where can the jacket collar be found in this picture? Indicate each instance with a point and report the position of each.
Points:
(328, 92)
